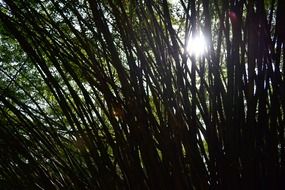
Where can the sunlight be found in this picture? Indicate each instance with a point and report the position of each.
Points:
(174, 2)
(197, 45)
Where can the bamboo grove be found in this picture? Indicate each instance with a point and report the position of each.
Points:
(104, 95)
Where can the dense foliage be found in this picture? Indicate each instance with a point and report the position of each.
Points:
(104, 94)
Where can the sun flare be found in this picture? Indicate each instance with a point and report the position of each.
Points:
(197, 45)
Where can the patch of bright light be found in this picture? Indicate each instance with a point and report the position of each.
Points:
(174, 1)
(197, 45)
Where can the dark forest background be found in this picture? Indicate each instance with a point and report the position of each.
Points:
(104, 94)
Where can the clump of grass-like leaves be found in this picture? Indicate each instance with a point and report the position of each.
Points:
(107, 97)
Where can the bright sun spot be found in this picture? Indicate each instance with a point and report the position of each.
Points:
(197, 45)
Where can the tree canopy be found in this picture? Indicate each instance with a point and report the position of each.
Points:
(107, 94)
